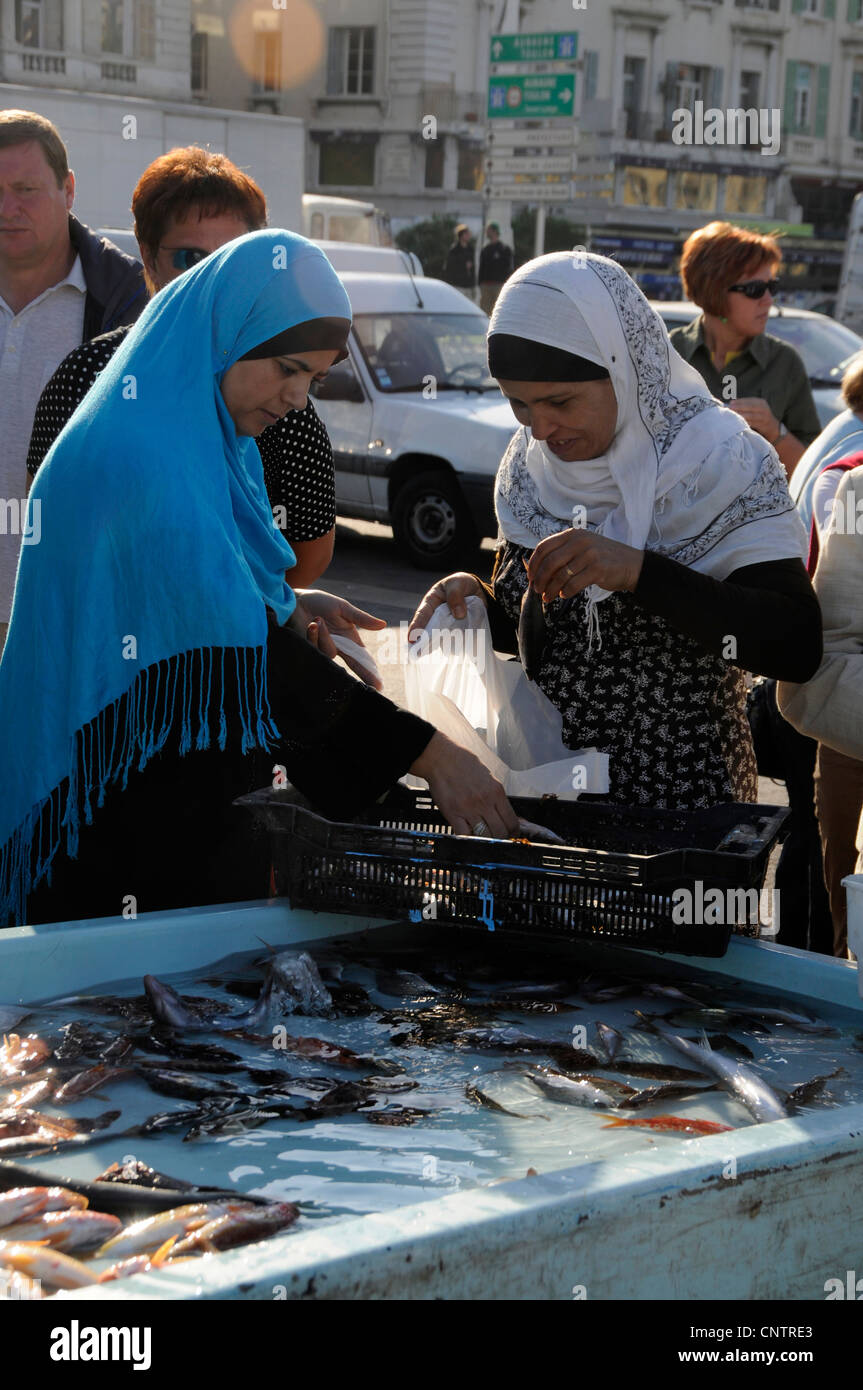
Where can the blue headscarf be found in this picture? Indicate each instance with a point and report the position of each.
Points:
(157, 555)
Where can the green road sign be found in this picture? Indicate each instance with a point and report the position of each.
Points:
(532, 48)
(538, 97)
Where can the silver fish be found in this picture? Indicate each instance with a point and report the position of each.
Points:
(292, 985)
(561, 1088)
(611, 1040)
(759, 1099)
(802, 1022)
(482, 1097)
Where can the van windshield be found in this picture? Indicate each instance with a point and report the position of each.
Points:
(425, 352)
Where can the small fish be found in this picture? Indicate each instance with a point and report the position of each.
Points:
(502, 1038)
(561, 1088)
(66, 1230)
(167, 1007)
(404, 984)
(153, 1231)
(93, 1079)
(239, 1227)
(138, 1264)
(661, 991)
(532, 632)
(34, 1094)
(79, 1040)
(476, 1093)
(19, 1203)
(537, 834)
(292, 985)
(176, 1083)
(605, 993)
(723, 1042)
(37, 1131)
(248, 1117)
(117, 1051)
(759, 1099)
(668, 1124)
(715, 1018)
(395, 1115)
(46, 1265)
(802, 1022)
(612, 1041)
(21, 1055)
(180, 1051)
(674, 1090)
(656, 1071)
(808, 1090)
(550, 989)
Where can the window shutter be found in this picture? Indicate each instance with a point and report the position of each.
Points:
(335, 62)
(823, 101)
(854, 7)
(829, 9)
(797, 6)
(790, 80)
(715, 87)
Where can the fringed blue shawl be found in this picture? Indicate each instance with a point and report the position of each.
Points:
(156, 560)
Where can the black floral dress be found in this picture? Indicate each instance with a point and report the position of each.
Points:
(670, 715)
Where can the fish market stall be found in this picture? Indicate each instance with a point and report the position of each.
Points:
(452, 1155)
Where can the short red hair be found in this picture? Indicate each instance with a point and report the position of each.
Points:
(190, 178)
(720, 255)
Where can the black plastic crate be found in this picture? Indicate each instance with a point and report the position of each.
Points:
(612, 881)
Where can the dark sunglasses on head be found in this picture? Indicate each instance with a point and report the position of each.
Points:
(756, 289)
(187, 256)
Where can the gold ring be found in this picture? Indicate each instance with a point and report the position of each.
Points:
(570, 572)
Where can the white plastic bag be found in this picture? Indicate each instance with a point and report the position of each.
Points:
(455, 680)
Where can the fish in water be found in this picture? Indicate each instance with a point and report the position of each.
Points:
(716, 1018)
(46, 1265)
(660, 991)
(167, 1007)
(672, 1090)
(183, 1053)
(34, 1130)
(66, 1230)
(668, 1124)
(239, 1226)
(395, 1115)
(549, 989)
(655, 1071)
(178, 1083)
(503, 1038)
(404, 984)
(759, 1099)
(482, 1097)
(19, 1203)
(808, 1090)
(723, 1042)
(153, 1231)
(611, 1040)
(33, 1094)
(559, 1087)
(803, 1023)
(93, 1079)
(18, 1055)
(240, 1119)
(79, 1040)
(139, 1174)
(291, 985)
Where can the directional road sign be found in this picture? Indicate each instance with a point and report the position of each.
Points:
(532, 48)
(537, 97)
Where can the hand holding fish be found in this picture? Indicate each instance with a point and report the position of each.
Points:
(452, 591)
(465, 790)
(564, 564)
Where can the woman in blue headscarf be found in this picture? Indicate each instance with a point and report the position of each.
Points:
(148, 656)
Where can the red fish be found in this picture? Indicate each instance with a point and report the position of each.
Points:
(20, 1055)
(670, 1124)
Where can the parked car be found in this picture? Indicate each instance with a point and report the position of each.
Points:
(418, 426)
(826, 347)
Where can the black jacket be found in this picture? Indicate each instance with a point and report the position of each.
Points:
(460, 266)
(116, 292)
(495, 263)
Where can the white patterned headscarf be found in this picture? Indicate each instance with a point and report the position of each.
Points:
(682, 475)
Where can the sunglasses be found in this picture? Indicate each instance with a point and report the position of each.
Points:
(187, 256)
(755, 289)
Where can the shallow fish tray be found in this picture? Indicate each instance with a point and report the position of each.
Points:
(616, 876)
(770, 1211)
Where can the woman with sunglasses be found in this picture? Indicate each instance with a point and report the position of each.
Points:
(731, 274)
(152, 673)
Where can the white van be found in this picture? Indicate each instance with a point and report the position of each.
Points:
(418, 426)
(327, 218)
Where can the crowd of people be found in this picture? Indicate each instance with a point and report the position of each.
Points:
(165, 648)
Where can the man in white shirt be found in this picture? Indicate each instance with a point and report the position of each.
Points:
(59, 286)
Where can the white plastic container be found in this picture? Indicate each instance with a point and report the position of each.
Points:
(853, 886)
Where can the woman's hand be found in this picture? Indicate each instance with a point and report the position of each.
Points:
(453, 591)
(563, 565)
(472, 800)
(325, 616)
(758, 416)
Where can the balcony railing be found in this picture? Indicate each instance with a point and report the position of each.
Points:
(119, 72)
(43, 62)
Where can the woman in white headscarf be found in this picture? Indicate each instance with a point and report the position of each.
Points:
(649, 552)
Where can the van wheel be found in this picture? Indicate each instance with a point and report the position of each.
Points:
(431, 524)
